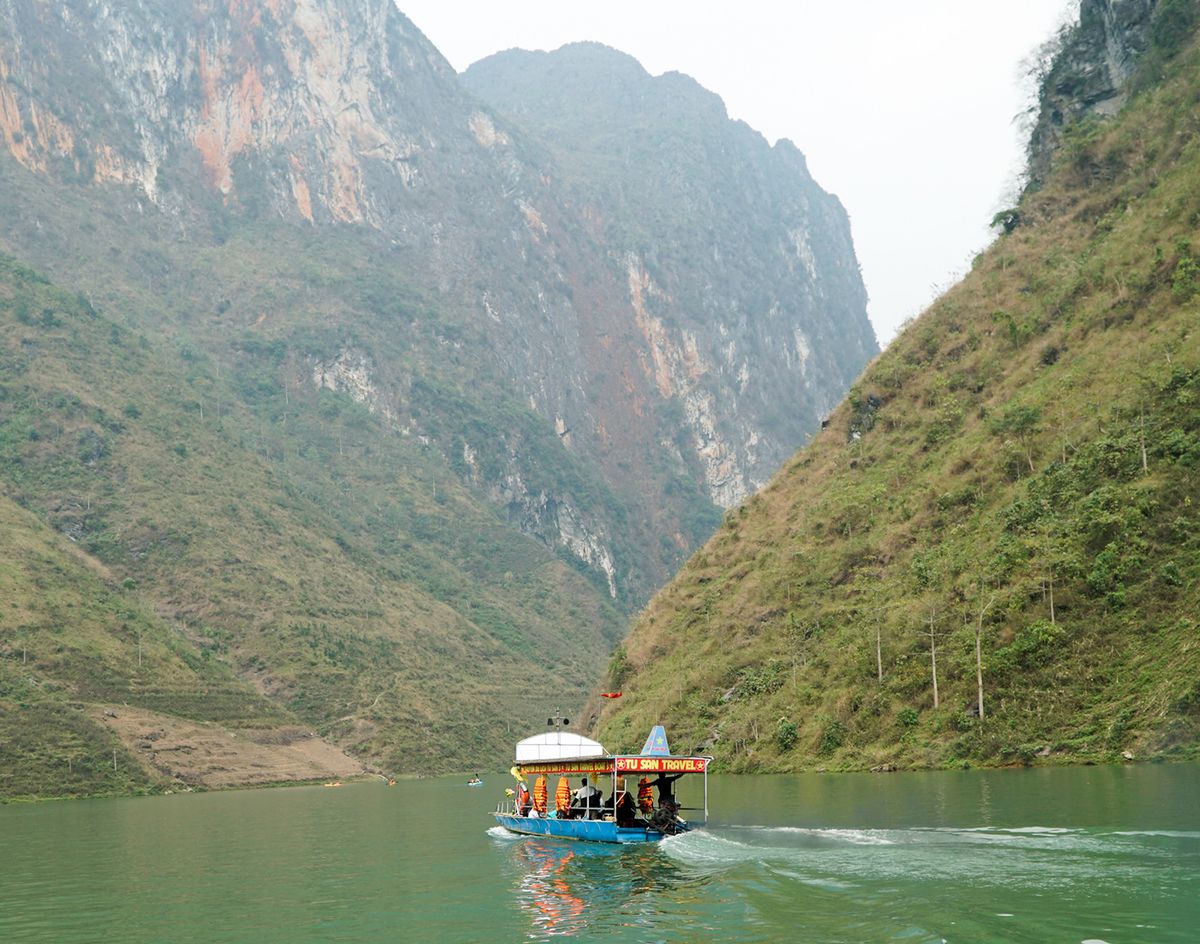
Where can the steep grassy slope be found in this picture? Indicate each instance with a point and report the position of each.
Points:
(1021, 467)
(282, 533)
(73, 636)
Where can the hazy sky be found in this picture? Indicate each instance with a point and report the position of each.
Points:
(905, 110)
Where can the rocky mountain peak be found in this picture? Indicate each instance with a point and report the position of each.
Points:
(1089, 74)
(321, 107)
(674, 301)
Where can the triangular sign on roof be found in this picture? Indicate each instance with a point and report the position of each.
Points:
(656, 743)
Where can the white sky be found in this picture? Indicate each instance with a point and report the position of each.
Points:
(904, 108)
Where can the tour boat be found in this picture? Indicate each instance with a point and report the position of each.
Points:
(566, 816)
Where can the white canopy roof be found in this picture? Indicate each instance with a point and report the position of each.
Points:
(557, 745)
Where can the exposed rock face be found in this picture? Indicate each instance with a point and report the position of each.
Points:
(1090, 74)
(741, 274)
(281, 97)
(679, 325)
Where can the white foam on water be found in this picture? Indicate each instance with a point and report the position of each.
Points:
(1006, 830)
(1169, 833)
(827, 884)
(857, 837)
(499, 832)
(1038, 830)
(704, 849)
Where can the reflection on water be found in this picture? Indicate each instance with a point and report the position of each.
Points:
(568, 888)
(544, 888)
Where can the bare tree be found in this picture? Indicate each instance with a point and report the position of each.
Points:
(868, 584)
(879, 644)
(979, 648)
(932, 634)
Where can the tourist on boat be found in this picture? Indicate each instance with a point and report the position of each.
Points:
(524, 800)
(626, 811)
(587, 800)
(666, 792)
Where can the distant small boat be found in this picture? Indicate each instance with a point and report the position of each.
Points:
(474, 782)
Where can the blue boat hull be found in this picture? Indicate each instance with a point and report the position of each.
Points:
(590, 830)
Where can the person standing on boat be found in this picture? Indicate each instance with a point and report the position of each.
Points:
(587, 799)
(625, 812)
(666, 792)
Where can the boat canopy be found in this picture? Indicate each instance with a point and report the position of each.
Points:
(558, 745)
(563, 752)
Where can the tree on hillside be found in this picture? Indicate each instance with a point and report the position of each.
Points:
(927, 568)
(1050, 543)
(869, 588)
(931, 633)
(1019, 423)
(799, 631)
(984, 604)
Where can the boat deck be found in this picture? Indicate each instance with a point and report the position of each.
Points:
(593, 830)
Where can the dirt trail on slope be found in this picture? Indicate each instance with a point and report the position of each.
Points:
(208, 755)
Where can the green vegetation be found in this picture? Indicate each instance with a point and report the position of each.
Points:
(74, 640)
(206, 515)
(1006, 505)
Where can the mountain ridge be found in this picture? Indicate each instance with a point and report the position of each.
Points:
(312, 347)
(989, 555)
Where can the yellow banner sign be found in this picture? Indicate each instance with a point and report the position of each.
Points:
(601, 765)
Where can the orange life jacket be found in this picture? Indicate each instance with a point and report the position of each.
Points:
(539, 795)
(562, 796)
(645, 796)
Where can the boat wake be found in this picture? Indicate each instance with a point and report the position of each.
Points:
(1030, 856)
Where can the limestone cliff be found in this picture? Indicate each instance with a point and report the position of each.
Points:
(1090, 71)
(741, 273)
(467, 372)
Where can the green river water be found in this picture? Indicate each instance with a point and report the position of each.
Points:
(1053, 855)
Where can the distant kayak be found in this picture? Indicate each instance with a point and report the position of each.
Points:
(474, 782)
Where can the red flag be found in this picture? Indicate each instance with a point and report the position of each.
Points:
(610, 694)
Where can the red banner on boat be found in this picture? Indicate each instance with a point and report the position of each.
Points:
(661, 765)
